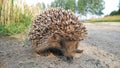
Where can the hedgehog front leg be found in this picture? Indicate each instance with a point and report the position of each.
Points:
(71, 49)
(74, 47)
(77, 50)
(43, 51)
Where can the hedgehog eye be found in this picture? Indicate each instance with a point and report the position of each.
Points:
(62, 43)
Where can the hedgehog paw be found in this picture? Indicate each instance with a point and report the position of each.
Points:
(43, 53)
(68, 59)
(78, 51)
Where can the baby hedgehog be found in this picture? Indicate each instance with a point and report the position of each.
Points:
(57, 31)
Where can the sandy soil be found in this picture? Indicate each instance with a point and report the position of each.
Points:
(101, 50)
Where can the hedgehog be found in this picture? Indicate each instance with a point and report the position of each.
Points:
(57, 31)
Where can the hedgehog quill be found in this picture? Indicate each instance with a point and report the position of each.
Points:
(57, 31)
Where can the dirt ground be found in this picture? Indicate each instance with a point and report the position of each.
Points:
(101, 50)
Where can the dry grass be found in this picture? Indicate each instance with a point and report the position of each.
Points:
(16, 16)
(106, 19)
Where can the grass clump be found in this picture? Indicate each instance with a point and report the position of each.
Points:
(14, 18)
(3, 31)
(15, 27)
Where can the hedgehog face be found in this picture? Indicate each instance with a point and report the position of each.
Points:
(62, 46)
(59, 41)
(56, 40)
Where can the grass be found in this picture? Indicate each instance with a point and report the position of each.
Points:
(13, 19)
(15, 27)
(106, 19)
(3, 31)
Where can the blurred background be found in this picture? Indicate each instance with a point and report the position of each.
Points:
(101, 47)
(16, 15)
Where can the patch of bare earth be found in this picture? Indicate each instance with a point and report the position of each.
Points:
(101, 50)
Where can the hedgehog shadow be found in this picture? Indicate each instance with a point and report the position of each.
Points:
(56, 52)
